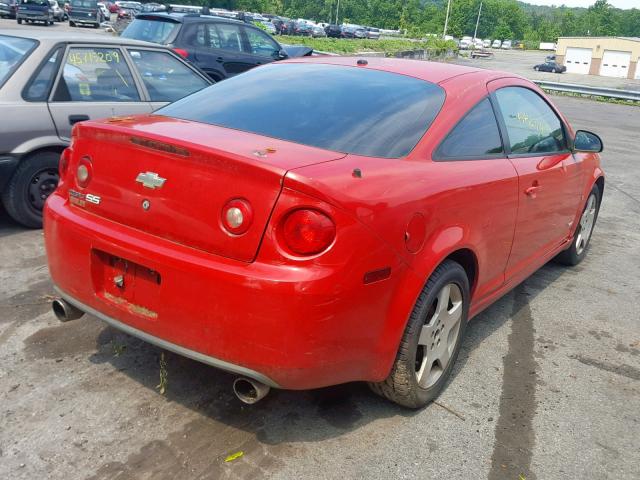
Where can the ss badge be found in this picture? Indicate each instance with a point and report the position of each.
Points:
(92, 198)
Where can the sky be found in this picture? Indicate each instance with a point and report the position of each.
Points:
(586, 3)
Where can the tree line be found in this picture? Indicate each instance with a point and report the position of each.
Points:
(503, 19)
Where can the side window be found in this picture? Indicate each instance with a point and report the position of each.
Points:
(230, 38)
(195, 35)
(532, 126)
(475, 136)
(260, 44)
(167, 79)
(96, 75)
(40, 84)
(214, 37)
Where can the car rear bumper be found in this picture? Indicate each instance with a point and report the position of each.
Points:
(284, 325)
(185, 352)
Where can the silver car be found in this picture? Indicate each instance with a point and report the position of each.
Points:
(49, 81)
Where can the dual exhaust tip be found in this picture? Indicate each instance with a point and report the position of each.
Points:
(247, 390)
(64, 311)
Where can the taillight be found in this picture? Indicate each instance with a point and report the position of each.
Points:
(307, 232)
(84, 172)
(63, 164)
(182, 52)
(237, 216)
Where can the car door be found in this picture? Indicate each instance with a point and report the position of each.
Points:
(260, 46)
(473, 150)
(166, 78)
(220, 48)
(93, 82)
(549, 176)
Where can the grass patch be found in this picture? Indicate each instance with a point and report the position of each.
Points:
(350, 46)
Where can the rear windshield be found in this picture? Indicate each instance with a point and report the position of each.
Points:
(13, 51)
(84, 3)
(155, 31)
(346, 109)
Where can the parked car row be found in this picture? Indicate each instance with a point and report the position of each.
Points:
(478, 43)
(48, 83)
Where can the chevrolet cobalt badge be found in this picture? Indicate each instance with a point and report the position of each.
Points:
(150, 180)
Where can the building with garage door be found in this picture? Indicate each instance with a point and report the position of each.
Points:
(606, 56)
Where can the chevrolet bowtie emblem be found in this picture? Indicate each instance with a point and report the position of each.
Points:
(150, 180)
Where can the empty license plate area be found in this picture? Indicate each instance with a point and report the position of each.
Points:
(130, 286)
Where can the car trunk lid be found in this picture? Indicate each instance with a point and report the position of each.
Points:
(203, 167)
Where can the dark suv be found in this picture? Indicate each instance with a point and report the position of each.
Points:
(8, 8)
(219, 46)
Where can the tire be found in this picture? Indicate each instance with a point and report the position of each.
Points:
(580, 244)
(535, 68)
(35, 177)
(19, 21)
(554, 71)
(72, 24)
(409, 383)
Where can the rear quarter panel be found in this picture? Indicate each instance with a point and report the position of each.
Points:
(465, 204)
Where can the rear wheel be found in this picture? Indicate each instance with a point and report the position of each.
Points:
(19, 21)
(578, 249)
(535, 68)
(31, 184)
(431, 341)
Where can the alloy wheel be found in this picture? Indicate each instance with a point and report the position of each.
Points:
(439, 335)
(586, 224)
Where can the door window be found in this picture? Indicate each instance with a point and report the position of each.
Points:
(166, 78)
(230, 37)
(532, 126)
(260, 43)
(475, 136)
(96, 75)
(40, 85)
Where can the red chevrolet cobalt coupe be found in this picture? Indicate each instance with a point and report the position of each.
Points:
(321, 221)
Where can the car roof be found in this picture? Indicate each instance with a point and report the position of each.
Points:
(434, 72)
(52, 37)
(187, 17)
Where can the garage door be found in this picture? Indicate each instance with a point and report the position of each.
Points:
(578, 60)
(615, 64)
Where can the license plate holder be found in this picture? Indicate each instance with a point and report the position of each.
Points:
(127, 284)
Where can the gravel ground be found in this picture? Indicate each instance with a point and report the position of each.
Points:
(547, 384)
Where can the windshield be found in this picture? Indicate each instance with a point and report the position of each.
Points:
(346, 109)
(155, 31)
(13, 51)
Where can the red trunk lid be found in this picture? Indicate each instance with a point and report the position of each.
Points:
(204, 166)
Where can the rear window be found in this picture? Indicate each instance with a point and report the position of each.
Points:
(84, 3)
(13, 51)
(155, 31)
(345, 109)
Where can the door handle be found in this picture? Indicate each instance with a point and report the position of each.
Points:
(73, 119)
(533, 189)
(219, 59)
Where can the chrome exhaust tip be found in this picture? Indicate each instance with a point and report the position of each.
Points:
(250, 391)
(64, 311)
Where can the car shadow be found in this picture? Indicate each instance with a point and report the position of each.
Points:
(8, 226)
(291, 416)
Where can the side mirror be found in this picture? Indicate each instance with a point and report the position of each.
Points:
(280, 54)
(587, 142)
